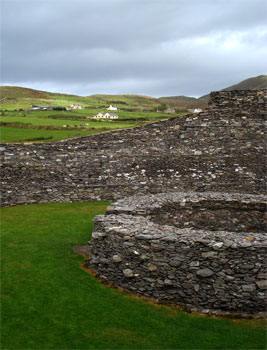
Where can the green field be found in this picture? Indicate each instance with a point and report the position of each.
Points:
(13, 97)
(18, 126)
(18, 123)
(31, 135)
(19, 97)
(49, 302)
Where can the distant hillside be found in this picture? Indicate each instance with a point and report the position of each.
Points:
(12, 97)
(21, 97)
(184, 101)
(14, 92)
(259, 82)
(126, 101)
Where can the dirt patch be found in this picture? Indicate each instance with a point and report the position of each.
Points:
(81, 250)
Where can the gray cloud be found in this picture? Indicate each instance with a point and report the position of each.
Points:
(152, 47)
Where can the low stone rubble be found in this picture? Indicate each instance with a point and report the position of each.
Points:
(205, 267)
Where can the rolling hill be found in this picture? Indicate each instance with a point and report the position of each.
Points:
(259, 82)
(12, 97)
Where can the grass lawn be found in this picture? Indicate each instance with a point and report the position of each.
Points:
(22, 135)
(13, 134)
(37, 121)
(48, 302)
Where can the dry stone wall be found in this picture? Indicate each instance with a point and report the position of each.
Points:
(221, 149)
(211, 261)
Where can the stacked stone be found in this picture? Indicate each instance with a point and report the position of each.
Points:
(205, 268)
(220, 149)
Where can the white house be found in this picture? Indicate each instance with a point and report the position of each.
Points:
(112, 108)
(75, 106)
(169, 110)
(197, 110)
(102, 115)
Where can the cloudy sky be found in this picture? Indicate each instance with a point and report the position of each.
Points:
(148, 47)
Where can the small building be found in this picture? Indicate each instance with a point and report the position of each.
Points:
(169, 110)
(42, 108)
(197, 110)
(75, 106)
(112, 115)
(112, 108)
(103, 115)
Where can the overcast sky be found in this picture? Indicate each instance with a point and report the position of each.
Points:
(148, 47)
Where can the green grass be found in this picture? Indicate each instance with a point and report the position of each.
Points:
(18, 97)
(37, 121)
(48, 302)
(19, 128)
(23, 135)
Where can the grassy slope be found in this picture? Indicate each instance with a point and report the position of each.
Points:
(8, 134)
(60, 122)
(259, 82)
(18, 97)
(48, 302)
(185, 101)
(15, 121)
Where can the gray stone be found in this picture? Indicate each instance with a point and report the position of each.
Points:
(144, 257)
(218, 245)
(116, 258)
(128, 273)
(98, 235)
(196, 287)
(152, 267)
(167, 282)
(249, 287)
(205, 272)
(209, 254)
(262, 284)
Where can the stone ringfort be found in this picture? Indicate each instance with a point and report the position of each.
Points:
(189, 224)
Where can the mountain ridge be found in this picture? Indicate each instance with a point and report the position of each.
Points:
(15, 93)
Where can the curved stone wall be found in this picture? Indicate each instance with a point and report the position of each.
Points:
(220, 149)
(208, 251)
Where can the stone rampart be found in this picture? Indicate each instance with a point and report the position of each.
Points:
(221, 149)
(204, 250)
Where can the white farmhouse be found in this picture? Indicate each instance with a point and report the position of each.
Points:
(112, 108)
(197, 110)
(107, 115)
(75, 106)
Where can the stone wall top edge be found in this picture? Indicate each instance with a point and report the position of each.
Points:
(133, 226)
(147, 200)
(238, 90)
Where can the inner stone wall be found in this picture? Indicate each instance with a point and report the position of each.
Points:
(221, 149)
(205, 268)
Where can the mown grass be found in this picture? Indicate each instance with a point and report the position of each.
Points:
(8, 134)
(20, 134)
(18, 128)
(35, 121)
(48, 302)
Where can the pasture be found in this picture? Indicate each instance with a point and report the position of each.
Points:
(49, 302)
(36, 126)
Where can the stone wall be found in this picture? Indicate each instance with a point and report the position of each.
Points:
(221, 149)
(210, 261)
